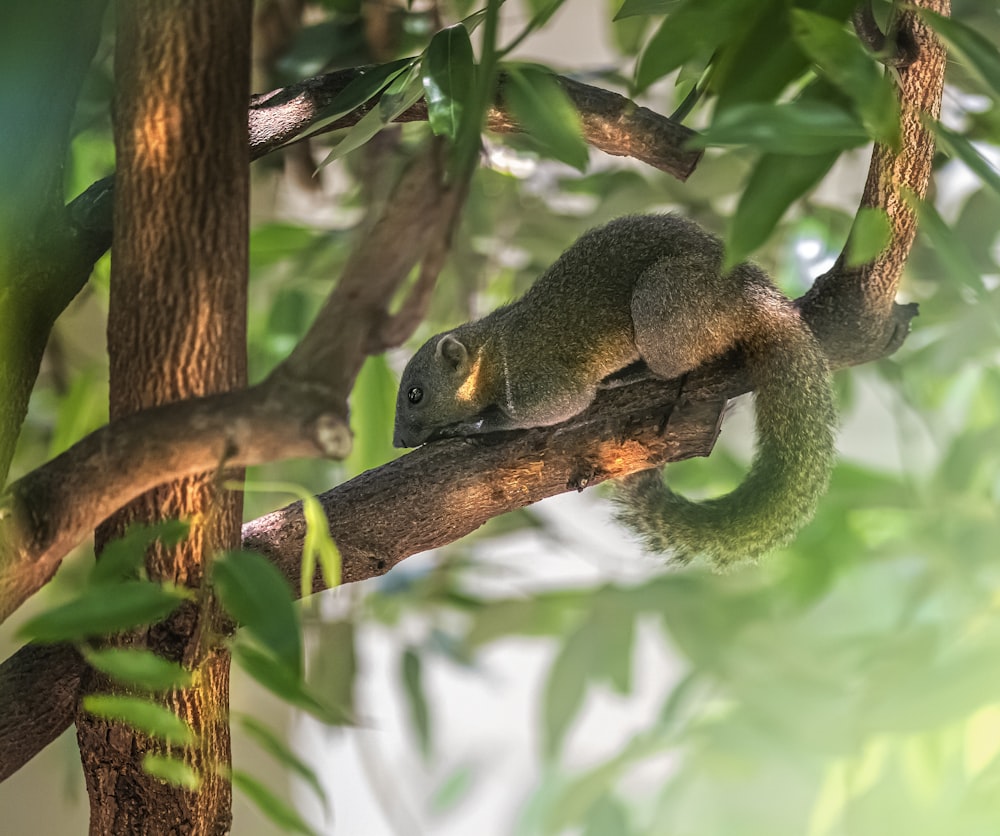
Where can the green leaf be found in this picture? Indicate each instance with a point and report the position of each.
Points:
(542, 615)
(407, 88)
(628, 34)
(278, 679)
(543, 109)
(366, 127)
(103, 610)
(140, 668)
(612, 626)
(693, 28)
(958, 146)
(607, 817)
(949, 248)
(565, 688)
(844, 61)
(979, 52)
(776, 182)
(631, 8)
(142, 714)
(333, 667)
(801, 127)
(870, 234)
(449, 80)
(255, 593)
(281, 752)
(284, 816)
(370, 82)
(454, 788)
(765, 43)
(318, 544)
(414, 689)
(402, 93)
(81, 410)
(125, 558)
(273, 243)
(373, 402)
(172, 771)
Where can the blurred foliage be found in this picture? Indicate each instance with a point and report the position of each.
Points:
(844, 686)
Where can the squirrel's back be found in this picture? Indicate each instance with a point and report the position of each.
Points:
(599, 272)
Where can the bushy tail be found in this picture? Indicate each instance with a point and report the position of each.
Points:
(795, 419)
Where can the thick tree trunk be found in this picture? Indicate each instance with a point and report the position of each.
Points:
(176, 329)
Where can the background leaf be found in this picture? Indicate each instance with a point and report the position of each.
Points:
(278, 749)
(276, 810)
(776, 182)
(413, 687)
(630, 8)
(960, 147)
(692, 28)
(278, 679)
(982, 55)
(803, 127)
(565, 689)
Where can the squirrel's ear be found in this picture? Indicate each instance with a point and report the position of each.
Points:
(452, 352)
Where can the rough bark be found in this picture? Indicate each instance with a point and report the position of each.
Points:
(176, 330)
(854, 308)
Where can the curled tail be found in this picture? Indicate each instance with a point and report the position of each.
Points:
(795, 419)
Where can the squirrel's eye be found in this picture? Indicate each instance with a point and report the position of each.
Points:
(415, 395)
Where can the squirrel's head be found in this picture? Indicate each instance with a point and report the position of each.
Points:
(442, 386)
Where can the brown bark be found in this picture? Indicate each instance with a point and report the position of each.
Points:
(176, 330)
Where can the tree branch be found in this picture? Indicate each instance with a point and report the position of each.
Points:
(853, 309)
(611, 122)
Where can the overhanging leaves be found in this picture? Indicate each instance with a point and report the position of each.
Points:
(102, 610)
(257, 596)
(142, 714)
(449, 79)
(545, 112)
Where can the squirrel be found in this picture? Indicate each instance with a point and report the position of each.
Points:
(649, 289)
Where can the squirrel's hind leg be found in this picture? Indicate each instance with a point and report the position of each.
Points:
(682, 317)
